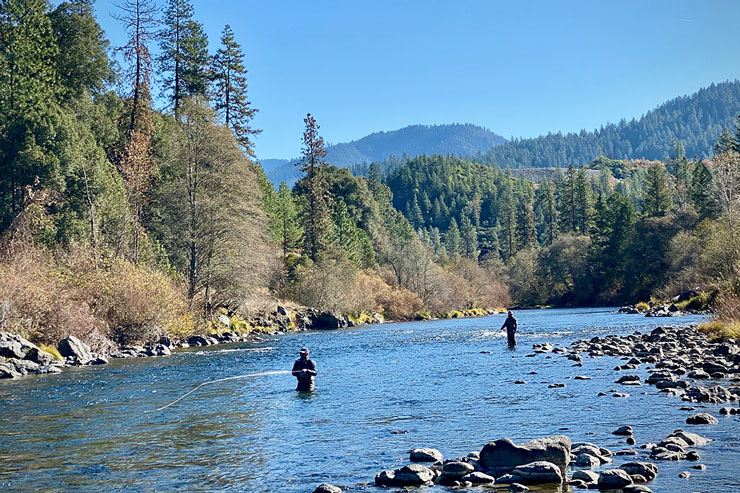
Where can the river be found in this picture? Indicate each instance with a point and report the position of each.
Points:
(381, 390)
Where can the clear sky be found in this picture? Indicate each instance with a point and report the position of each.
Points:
(518, 68)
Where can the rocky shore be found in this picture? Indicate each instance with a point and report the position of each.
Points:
(680, 361)
(20, 357)
(547, 462)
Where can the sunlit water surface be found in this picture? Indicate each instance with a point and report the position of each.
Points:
(381, 391)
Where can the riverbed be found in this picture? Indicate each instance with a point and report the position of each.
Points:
(380, 391)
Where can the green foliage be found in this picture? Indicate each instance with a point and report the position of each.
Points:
(696, 120)
(230, 88)
(183, 60)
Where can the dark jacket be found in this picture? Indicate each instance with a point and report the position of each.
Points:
(304, 370)
(510, 324)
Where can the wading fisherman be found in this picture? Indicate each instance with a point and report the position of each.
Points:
(304, 370)
(510, 326)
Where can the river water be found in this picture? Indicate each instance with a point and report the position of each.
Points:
(381, 390)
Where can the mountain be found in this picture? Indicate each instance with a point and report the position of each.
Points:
(696, 120)
(455, 139)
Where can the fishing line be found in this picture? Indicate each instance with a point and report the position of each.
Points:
(281, 372)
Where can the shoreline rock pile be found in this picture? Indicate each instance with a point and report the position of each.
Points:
(683, 360)
(541, 461)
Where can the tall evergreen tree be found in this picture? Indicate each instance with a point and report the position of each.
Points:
(657, 195)
(547, 204)
(315, 214)
(139, 20)
(725, 143)
(230, 91)
(567, 201)
(526, 231)
(284, 222)
(507, 218)
(452, 239)
(582, 203)
(82, 63)
(701, 193)
(28, 96)
(183, 60)
(469, 236)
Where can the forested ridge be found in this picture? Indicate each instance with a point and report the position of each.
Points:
(411, 141)
(696, 121)
(122, 221)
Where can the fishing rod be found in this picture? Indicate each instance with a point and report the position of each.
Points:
(280, 372)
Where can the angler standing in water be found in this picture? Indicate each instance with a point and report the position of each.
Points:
(304, 370)
(510, 326)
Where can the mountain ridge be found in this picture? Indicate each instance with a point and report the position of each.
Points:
(460, 139)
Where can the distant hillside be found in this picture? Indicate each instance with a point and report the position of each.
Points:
(696, 120)
(411, 141)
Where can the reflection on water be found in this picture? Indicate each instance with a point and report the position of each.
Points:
(380, 391)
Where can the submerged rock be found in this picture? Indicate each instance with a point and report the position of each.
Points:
(327, 488)
(702, 419)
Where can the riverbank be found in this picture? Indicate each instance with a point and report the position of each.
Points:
(20, 357)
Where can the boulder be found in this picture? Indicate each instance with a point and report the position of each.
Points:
(646, 469)
(47, 369)
(197, 341)
(478, 478)
(425, 455)
(502, 456)
(539, 472)
(702, 419)
(629, 380)
(15, 346)
(516, 487)
(327, 488)
(72, 347)
(588, 477)
(636, 488)
(613, 479)
(625, 430)
(457, 469)
(38, 356)
(8, 370)
(411, 475)
(587, 460)
(328, 320)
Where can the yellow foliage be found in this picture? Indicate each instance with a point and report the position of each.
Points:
(51, 350)
(642, 306)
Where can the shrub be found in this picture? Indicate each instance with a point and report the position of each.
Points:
(51, 350)
(642, 306)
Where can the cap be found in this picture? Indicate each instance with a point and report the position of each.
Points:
(303, 351)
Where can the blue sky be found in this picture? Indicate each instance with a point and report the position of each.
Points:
(518, 68)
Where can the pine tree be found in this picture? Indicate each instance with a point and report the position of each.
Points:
(546, 203)
(452, 239)
(284, 224)
(700, 191)
(725, 143)
(657, 196)
(469, 239)
(230, 91)
(567, 201)
(183, 60)
(507, 218)
(526, 232)
(139, 20)
(82, 63)
(582, 203)
(28, 102)
(315, 216)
